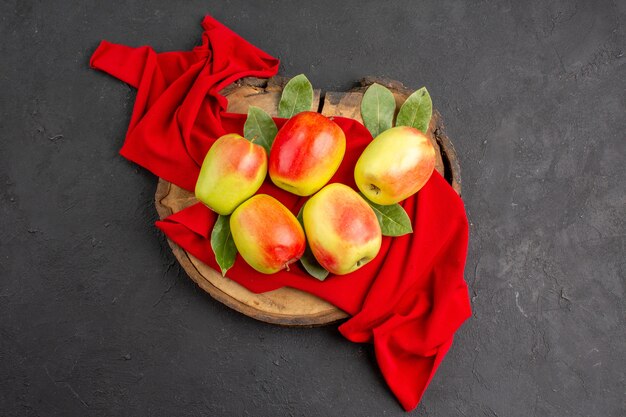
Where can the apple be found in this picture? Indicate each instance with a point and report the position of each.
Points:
(267, 235)
(395, 165)
(232, 171)
(341, 228)
(306, 153)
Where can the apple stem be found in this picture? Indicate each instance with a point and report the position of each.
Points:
(254, 138)
(287, 267)
(362, 262)
(375, 189)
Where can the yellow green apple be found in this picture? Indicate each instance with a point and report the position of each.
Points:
(341, 228)
(306, 153)
(395, 165)
(267, 235)
(232, 171)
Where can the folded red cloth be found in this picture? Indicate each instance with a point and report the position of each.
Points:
(408, 301)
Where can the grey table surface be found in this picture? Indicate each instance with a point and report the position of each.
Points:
(97, 319)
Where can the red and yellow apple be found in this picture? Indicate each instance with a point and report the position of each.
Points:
(306, 153)
(341, 228)
(395, 165)
(267, 235)
(232, 171)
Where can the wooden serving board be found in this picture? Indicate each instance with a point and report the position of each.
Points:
(288, 306)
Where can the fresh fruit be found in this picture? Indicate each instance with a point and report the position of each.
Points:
(232, 171)
(341, 228)
(306, 153)
(267, 235)
(395, 165)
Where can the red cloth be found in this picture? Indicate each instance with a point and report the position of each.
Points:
(408, 301)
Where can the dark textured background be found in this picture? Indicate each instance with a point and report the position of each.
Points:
(97, 319)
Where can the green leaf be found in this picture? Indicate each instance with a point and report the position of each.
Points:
(297, 97)
(393, 219)
(223, 244)
(416, 110)
(377, 109)
(308, 260)
(260, 128)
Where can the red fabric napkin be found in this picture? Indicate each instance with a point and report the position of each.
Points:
(408, 301)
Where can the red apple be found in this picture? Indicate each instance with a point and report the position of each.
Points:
(306, 153)
(395, 165)
(267, 235)
(341, 228)
(232, 171)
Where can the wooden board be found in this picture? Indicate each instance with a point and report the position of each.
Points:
(288, 306)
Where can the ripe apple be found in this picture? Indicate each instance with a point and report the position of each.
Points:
(341, 228)
(306, 153)
(267, 235)
(232, 171)
(395, 165)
